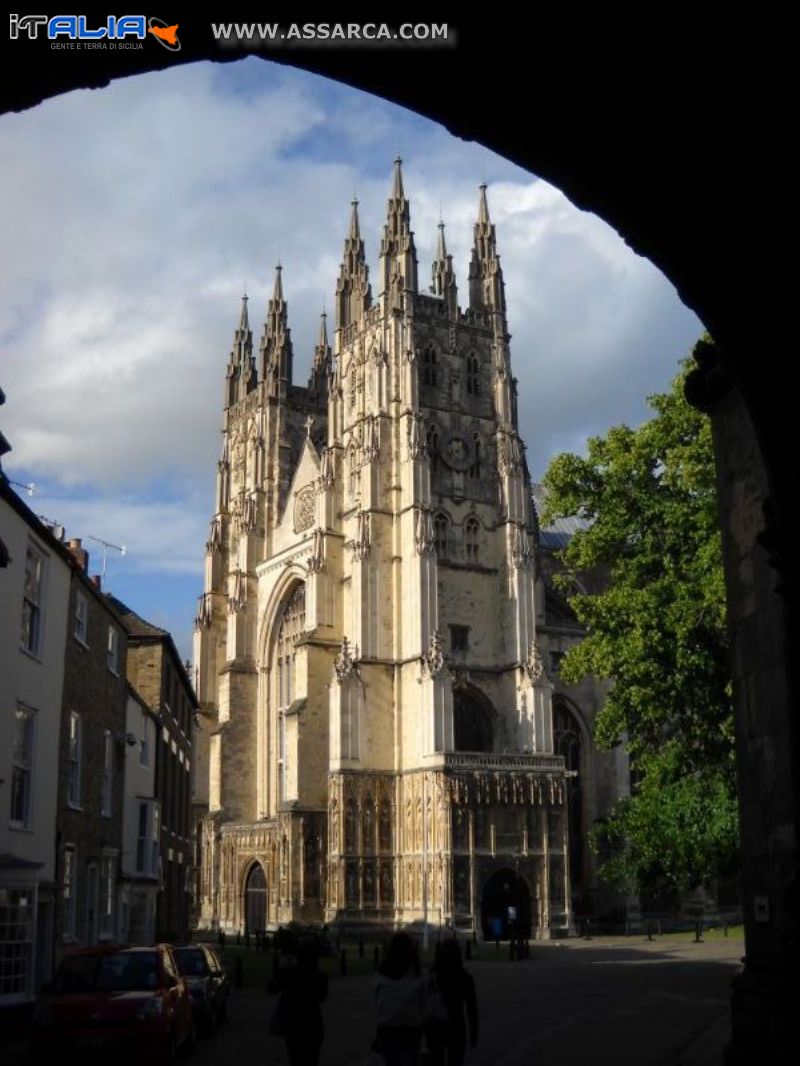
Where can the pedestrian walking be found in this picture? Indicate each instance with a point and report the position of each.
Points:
(399, 1004)
(298, 1013)
(452, 1008)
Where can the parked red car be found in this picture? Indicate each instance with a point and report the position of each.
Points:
(130, 1000)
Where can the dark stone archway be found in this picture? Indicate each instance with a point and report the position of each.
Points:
(255, 900)
(506, 907)
(680, 140)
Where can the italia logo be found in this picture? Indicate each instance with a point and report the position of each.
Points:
(79, 28)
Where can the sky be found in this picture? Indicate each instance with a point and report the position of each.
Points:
(133, 219)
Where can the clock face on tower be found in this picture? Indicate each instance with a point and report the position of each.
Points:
(457, 452)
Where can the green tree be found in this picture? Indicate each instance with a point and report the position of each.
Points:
(656, 630)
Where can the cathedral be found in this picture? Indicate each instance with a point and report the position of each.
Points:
(383, 739)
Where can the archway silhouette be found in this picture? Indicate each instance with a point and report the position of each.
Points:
(677, 148)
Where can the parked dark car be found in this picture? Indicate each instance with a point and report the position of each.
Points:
(120, 1000)
(208, 984)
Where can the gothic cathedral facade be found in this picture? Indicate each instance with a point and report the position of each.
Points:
(376, 743)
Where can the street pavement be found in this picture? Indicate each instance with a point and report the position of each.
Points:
(624, 1001)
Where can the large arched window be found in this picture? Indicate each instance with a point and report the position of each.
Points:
(473, 720)
(291, 627)
(568, 741)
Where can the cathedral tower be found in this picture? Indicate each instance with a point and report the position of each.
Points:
(377, 720)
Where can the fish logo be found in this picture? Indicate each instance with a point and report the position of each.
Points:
(167, 36)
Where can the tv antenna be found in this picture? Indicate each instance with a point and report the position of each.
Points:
(121, 548)
(30, 488)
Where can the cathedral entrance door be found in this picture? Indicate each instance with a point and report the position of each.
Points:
(255, 900)
(505, 907)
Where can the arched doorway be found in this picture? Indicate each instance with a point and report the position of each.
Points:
(255, 900)
(505, 907)
(473, 720)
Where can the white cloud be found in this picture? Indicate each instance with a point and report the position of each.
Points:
(133, 216)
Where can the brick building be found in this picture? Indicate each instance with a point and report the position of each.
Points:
(91, 764)
(159, 677)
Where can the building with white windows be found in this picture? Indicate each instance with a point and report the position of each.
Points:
(34, 616)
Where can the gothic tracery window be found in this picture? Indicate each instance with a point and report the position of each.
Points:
(473, 376)
(430, 375)
(440, 534)
(433, 446)
(472, 532)
(475, 469)
(353, 471)
(291, 628)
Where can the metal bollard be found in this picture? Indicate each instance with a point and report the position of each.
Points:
(238, 937)
(649, 929)
(238, 978)
(587, 930)
(343, 962)
(698, 932)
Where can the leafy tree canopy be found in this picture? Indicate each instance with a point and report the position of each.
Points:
(656, 629)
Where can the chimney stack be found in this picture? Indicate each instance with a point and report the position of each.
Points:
(79, 554)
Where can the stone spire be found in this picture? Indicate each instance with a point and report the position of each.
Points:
(444, 279)
(486, 288)
(321, 365)
(276, 342)
(353, 292)
(241, 375)
(398, 254)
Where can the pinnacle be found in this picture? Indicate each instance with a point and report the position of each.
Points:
(397, 180)
(483, 210)
(355, 230)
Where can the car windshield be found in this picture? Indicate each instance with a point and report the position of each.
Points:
(119, 972)
(191, 962)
